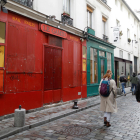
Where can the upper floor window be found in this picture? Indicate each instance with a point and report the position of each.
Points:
(121, 7)
(66, 6)
(134, 21)
(128, 33)
(2, 32)
(104, 20)
(117, 23)
(128, 15)
(121, 54)
(116, 3)
(128, 56)
(89, 16)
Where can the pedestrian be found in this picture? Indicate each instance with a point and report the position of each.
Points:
(108, 104)
(123, 81)
(137, 92)
(134, 81)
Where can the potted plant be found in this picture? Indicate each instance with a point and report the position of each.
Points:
(129, 40)
(66, 14)
(121, 33)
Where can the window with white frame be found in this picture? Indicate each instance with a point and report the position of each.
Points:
(128, 56)
(134, 21)
(104, 22)
(121, 54)
(66, 6)
(128, 34)
(89, 16)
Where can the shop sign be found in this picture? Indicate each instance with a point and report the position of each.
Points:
(116, 34)
(54, 31)
(102, 47)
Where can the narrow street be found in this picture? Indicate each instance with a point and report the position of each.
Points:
(88, 125)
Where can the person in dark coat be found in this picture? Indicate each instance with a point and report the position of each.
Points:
(134, 80)
(138, 89)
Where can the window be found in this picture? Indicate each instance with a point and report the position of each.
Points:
(128, 56)
(1, 56)
(84, 56)
(89, 16)
(93, 66)
(128, 15)
(121, 6)
(104, 20)
(134, 21)
(2, 32)
(109, 61)
(116, 2)
(128, 34)
(66, 6)
(121, 54)
(117, 23)
(101, 53)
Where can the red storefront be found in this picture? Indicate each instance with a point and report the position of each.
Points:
(39, 64)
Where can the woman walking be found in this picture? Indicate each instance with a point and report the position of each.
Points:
(108, 104)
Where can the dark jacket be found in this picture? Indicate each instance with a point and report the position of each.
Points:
(138, 89)
(122, 77)
(134, 79)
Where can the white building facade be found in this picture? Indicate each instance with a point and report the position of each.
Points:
(102, 16)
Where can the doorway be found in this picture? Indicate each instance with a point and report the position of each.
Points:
(53, 72)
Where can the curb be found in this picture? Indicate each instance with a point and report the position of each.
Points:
(57, 116)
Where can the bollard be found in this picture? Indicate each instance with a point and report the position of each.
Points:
(19, 117)
(75, 105)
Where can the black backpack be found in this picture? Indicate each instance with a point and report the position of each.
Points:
(123, 79)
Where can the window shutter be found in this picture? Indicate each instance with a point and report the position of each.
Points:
(89, 9)
(104, 19)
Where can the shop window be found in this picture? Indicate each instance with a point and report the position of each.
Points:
(2, 32)
(84, 56)
(1, 80)
(93, 66)
(109, 61)
(1, 56)
(89, 16)
(84, 52)
(101, 53)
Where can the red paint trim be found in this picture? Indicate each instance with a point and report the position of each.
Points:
(54, 31)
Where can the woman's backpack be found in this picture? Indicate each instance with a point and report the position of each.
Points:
(105, 88)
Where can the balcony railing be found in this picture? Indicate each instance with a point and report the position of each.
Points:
(105, 38)
(65, 19)
(105, 1)
(28, 3)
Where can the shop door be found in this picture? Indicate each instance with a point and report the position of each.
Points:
(103, 64)
(52, 72)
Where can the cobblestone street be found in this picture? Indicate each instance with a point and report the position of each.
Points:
(88, 125)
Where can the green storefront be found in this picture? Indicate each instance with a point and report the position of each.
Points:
(100, 58)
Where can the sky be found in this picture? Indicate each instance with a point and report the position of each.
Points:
(134, 4)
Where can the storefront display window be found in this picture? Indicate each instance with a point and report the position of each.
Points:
(84, 52)
(1, 56)
(109, 61)
(128, 74)
(84, 56)
(93, 66)
(101, 53)
(2, 32)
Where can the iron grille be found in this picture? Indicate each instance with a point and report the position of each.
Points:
(105, 38)
(105, 1)
(28, 3)
(66, 20)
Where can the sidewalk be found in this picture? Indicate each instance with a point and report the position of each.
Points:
(37, 118)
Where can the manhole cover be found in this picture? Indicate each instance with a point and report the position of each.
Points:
(75, 130)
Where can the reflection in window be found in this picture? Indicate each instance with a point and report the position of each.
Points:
(1, 56)
(84, 52)
(2, 32)
(101, 53)
(84, 65)
(93, 66)
(109, 61)
(1, 80)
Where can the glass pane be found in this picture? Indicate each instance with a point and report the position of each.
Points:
(84, 52)
(2, 32)
(93, 66)
(102, 68)
(1, 56)
(109, 61)
(1, 79)
(128, 73)
(101, 53)
(84, 65)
